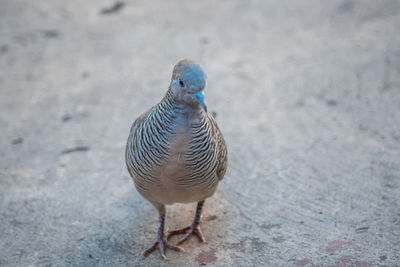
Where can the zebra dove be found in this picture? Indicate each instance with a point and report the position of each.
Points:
(176, 153)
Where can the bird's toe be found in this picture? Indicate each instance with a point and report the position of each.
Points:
(188, 231)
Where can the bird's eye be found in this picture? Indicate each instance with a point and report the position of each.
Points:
(181, 83)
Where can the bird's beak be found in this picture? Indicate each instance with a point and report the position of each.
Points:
(200, 97)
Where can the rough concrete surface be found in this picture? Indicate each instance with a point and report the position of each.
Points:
(306, 93)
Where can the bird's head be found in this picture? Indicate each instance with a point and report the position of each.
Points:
(188, 83)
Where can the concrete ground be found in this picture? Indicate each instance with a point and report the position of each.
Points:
(306, 93)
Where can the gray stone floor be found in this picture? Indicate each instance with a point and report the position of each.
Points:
(306, 93)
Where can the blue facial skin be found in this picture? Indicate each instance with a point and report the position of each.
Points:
(194, 77)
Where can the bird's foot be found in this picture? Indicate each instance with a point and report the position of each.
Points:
(162, 243)
(188, 231)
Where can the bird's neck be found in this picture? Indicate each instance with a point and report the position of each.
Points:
(182, 109)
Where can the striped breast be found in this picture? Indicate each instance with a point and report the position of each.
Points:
(175, 158)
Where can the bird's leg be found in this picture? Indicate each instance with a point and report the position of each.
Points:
(194, 228)
(162, 241)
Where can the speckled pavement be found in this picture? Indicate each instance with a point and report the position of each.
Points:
(307, 94)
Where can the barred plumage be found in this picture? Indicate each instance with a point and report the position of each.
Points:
(175, 151)
(148, 142)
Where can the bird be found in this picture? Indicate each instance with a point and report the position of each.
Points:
(176, 153)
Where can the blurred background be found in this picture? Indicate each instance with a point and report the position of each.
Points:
(306, 94)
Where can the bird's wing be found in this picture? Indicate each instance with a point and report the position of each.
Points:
(137, 122)
(129, 151)
(222, 151)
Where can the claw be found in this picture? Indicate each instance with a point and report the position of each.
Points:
(162, 243)
(162, 240)
(192, 229)
(188, 231)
